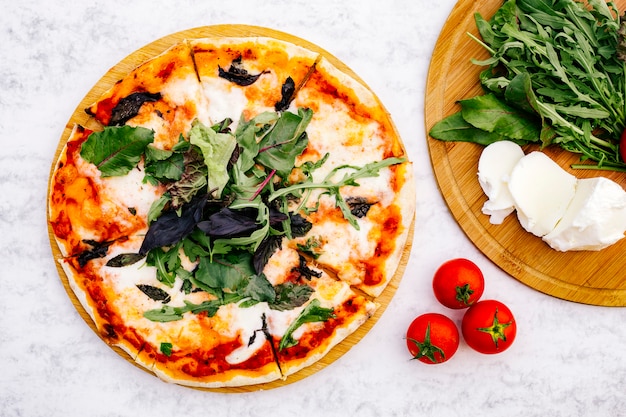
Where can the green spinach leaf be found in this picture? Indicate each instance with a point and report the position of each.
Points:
(116, 150)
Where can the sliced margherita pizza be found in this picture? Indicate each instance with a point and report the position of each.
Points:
(359, 230)
(238, 214)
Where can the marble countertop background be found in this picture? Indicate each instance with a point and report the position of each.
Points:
(568, 360)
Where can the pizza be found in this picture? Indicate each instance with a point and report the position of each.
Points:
(234, 211)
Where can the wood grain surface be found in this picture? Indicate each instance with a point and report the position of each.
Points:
(597, 278)
(125, 66)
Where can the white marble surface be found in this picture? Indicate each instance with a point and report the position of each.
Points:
(569, 359)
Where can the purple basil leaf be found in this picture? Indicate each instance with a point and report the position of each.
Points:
(228, 223)
(170, 228)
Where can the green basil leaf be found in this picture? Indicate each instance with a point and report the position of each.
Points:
(290, 296)
(164, 314)
(247, 133)
(166, 348)
(229, 272)
(259, 289)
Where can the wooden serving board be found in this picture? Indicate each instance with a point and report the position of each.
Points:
(597, 278)
(124, 67)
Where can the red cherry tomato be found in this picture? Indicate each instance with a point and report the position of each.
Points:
(489, 327)
(432, 338)
(622, 146)
(458, 283)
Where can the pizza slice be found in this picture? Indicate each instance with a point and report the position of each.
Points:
(88, 210)
(244, 77)
(361, 226)
(162, 94)
(329, 311)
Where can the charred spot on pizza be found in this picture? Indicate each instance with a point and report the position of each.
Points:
(287, 92)
(237, 74)
(109, 331)
(129, 106)
(155, 293)
(98, 250)
(304, 270)
(359, 206)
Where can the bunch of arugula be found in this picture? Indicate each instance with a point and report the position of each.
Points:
(554, 77)
(226, 207)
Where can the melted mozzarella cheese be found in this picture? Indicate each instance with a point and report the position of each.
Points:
(334, 132)
(595, 219)
(341, 244)
(225, 100)
(249, 321)
(280, 263)
(130, 191)
(180, 90)
(278, 321)
(495, 165)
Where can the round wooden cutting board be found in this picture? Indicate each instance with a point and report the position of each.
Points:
(124, 67)
(597, 278)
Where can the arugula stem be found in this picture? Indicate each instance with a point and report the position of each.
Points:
(296, 187)
(481, 43)
(368, 170)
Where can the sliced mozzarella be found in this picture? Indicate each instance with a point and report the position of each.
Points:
(494, 169)
(595, 219)
(542, 191)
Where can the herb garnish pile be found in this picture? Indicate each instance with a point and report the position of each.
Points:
(226, 207)
(556, 75)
